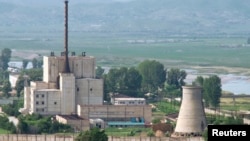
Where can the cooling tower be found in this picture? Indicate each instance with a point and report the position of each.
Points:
(191, 119)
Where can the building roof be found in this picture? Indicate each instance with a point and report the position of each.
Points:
(48, 90)
(71, 117)
(130, 98)
(128, 123)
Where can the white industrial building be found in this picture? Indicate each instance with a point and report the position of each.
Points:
(60, 93)
(129, 101)
(70, 89)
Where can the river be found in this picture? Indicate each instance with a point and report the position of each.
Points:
(237, 84)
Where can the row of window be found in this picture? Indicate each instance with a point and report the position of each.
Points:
(112, 113)
(40, 95)
(130, 102)
(42, 103)
(39, 109)
(39, 102)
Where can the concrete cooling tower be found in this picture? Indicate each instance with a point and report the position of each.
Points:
(191, 119)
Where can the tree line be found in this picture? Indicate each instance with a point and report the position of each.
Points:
(34, 74)
(150, 76)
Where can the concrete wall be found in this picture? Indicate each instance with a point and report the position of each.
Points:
(115, 112)
(80, 66)
(89, 91)
(24, 137)
(52, 66)
(39, 85)
(45, 101)
(83, 67)
(154, 139)
(53, 102)
(26, 97)
(67, 87)
(77, 124)
(129, 101)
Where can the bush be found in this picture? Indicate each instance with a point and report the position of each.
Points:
(6, 125)
(151, 133)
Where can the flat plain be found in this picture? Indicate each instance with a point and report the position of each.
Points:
(217, 54)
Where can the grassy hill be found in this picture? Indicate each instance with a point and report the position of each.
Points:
(172, 16)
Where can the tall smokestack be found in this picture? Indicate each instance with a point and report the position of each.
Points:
(66, 65)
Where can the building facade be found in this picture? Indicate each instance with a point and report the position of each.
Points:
(59, 93)
(129, 101)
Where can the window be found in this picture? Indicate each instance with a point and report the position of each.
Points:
(131, 102)
(122, 102)
(37, 103)
(37, 95)
(55, 103)
(42, 95)
(42, 102)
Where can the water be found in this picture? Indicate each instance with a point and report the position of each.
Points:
(19, 64)
(237, 84)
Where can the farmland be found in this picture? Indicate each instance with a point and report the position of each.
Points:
(123, 49)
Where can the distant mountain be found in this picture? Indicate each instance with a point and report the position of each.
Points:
(172, 16)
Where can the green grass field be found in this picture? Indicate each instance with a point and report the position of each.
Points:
(2, 131)
(136, 131)
(129, 49)
(240, 103)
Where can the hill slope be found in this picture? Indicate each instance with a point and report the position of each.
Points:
(173, 16)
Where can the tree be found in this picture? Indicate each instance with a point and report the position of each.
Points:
(19, 85)
(34, 74)
(199, 81)
(6, 124)
(133, 80)
(22, 126)
(111, 81)
(106, 96)
(99, 72)
(12, 109)
(40, 64)
(25, 63)
(35, 63)
(4, 75)
(123, 80)
(172, 91)
(212, 91)
(153, 75)
(6, 88)
(5, 58)
(248, 40)
(94, 134)
(176, 77)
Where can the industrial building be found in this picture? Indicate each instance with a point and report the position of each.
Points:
(70, 87)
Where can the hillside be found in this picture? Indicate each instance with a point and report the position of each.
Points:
(170, 16)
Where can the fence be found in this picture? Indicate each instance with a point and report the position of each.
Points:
(28, 137)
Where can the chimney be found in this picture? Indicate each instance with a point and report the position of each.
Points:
(66, 64)
(191, 119)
